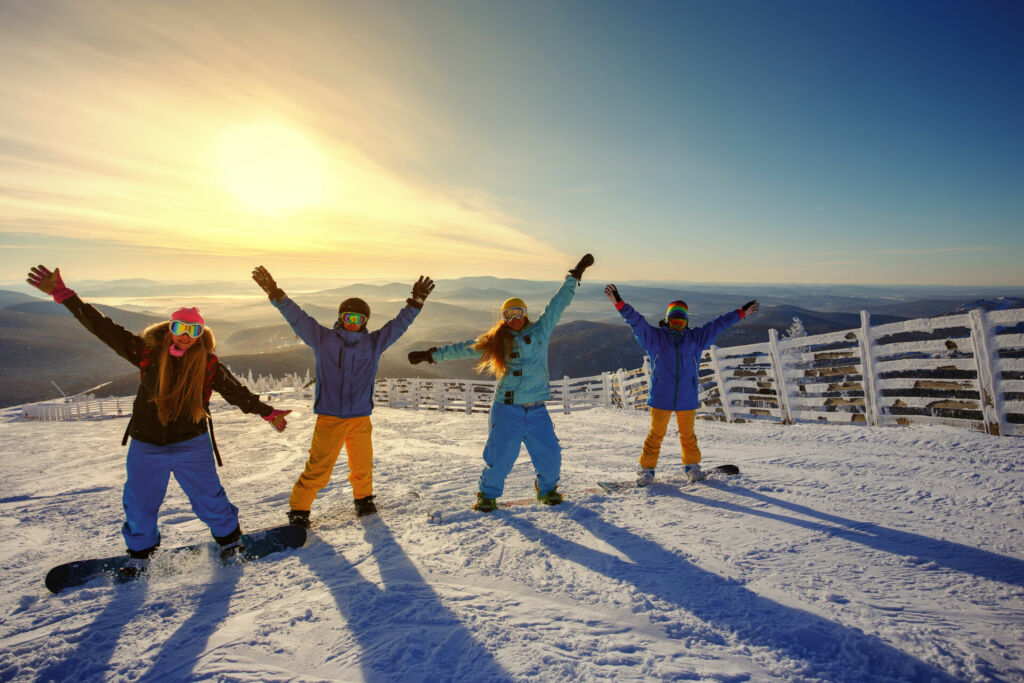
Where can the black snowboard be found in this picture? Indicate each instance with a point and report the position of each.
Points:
(257, 544)
(611, 486)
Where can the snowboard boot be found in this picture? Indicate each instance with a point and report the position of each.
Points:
(299, 518)
(138, 562)
(552, 497)
(136, 567)
(645, 476)
(231, 553)
(693, 472)
(365, 506)
(484, 504)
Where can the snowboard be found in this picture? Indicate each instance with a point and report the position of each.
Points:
(258, 544)
(612, 486)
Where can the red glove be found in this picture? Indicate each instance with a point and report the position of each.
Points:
(276, 419)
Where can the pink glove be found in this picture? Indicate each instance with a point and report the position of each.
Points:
(41, 278)
(276, 419)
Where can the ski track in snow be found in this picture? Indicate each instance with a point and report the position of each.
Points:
(840, 554)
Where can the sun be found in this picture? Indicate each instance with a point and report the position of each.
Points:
(271, 168)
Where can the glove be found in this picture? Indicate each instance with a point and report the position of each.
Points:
(420, 291)
(749, 308)
(41, 278)
(276, 419)
(584, 263)
(612, 292)
(263, 278)
(416, 357)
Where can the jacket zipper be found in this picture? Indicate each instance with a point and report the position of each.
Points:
(675, 398)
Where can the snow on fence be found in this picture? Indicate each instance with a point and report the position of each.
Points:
(85, 407)
(963, 370)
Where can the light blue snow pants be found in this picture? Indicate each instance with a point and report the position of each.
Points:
(149, 470)
(511, 426)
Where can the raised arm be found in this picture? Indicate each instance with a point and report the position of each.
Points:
(125, 343)
(308, 329)
(708, 332)
(642, 330)
(396, 327)
(563, 297)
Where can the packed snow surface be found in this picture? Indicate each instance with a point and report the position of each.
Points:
(841, 553)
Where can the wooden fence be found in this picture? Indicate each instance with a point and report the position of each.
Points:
(963, 370)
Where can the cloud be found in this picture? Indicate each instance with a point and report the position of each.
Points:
(112, 114)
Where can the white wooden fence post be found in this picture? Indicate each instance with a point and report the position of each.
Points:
(565, 394)
(867, 366)
(779, 373)
(469, 397)
(606, 389)
(623, 394)
(723, 391)
(988, 376)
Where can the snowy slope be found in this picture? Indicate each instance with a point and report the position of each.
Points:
(840, 554)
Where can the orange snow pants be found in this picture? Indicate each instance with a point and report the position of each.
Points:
(659, 425)
(329, 435)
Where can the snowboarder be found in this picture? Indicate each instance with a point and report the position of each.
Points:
(674, 349)
(168, 427)
(515, 351)
(346, 365)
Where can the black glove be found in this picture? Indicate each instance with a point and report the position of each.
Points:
(752, 304)
(584, 263)
(420, 291)
(416, 357)
(612, 292)
(263, 278)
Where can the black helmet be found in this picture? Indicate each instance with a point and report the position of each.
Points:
(354, 305)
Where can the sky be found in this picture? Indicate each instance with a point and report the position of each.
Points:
(775, 142)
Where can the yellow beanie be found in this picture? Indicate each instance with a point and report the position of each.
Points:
(514, 302)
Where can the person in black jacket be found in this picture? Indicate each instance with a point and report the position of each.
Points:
(169, 424)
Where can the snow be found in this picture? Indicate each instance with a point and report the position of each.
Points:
(842, 553)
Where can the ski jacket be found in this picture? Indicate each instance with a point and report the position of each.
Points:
(346, 362)
(675, 357)
(527, 378)
(145, 424)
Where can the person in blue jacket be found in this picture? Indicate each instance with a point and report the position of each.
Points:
(347, 357)
(675, 350)
(515, 351)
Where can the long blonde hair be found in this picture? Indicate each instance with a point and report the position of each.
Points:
(179, 393)
(494, 346)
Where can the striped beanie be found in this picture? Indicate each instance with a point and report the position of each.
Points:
(678, 309)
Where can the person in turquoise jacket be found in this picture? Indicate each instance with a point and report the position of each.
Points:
(347, 356)
(515, 351)
(675, 350)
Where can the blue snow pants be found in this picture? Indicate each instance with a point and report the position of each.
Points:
(511, 426)
(149, 470)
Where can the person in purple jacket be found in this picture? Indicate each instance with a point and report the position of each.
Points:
(675, 350)
(346, 365)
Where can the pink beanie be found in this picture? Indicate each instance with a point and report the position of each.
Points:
(188, 315)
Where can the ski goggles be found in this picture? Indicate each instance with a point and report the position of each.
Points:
(352, 318)
(194, 330)
(514, 313)
(677, 323)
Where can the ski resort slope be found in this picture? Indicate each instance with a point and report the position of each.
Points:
(841, 553)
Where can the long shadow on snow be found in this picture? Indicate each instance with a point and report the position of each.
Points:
(180, 653)
(920, 549)
(90, 661)
(404, 630)
(833, 651)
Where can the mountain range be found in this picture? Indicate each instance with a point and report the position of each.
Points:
(41, 345)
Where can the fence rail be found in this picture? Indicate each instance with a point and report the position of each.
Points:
(963, 370)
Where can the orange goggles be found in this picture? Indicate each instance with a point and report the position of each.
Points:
(678, 323)
(194, 330)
